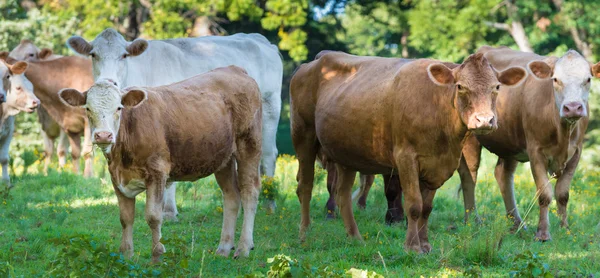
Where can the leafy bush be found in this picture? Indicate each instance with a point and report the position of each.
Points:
(284, 266)
(529, 264)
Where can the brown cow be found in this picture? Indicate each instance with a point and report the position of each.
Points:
(543, 120)
(49, 77)
(151, 136)
(29, 52)
(384, 115)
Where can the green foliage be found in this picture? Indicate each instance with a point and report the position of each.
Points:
(282, 266)
(529, 264)
(270, 188)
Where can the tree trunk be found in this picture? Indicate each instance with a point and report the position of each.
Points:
(579, 36)
(516, 29)
(404, 43)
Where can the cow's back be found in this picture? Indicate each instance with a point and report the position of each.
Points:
(194, 122)
(168, 61)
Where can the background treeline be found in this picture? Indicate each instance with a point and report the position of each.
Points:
(441, 29)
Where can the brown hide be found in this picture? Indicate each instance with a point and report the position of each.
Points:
(49, 77)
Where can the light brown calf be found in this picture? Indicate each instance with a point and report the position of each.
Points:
(542, 120)
(151, 136)
(383, 115)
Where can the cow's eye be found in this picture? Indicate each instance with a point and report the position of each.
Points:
(589, 80)
(119, 109)
(458, 86)
(87, 109)
(124, 56)
(31, 55)
(497, 87)
(93, 55)
(554, 79)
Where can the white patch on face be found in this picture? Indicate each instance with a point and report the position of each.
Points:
(25, 52)
(572, 73)
(107, 56)
(102, 107)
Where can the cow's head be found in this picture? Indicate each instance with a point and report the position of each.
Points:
(27, 51)
(109, 52)
(104, 103)
(476, 86)
(571, 77)
(17, 90)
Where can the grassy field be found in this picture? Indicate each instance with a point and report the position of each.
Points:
(64, 223)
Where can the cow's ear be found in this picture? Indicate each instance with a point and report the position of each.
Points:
(540, 69)
(72, 97)
(3, 55)
(134, 97)
(511, 76)
(18, 68)
(596, 70)
(440, 74)
(80, 45)
(137, 47)
(45, 53)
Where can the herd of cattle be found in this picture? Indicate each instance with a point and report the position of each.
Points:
(164, 111)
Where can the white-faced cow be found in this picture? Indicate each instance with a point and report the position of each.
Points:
(152, 136)
(51, 130)
(160, 62)
(382, 115)
(543, 120)
(17, 96)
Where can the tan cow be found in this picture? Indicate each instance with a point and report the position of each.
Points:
(17, 95)
(151, 136)
(49, 77)
(543, 120)
(384, 115)
(29, 52)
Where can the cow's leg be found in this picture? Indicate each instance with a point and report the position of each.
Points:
(505, 174)
(170, 205)
(75, 142)
(561, 190)
(305, 144)
(248, 164)
(87, 151)
(331, 181)
(467, 170)
(48, 150)
(4, 161)
(393, 194)
(227, 180)
(544, 190)
(155, 187)
(427, 196)
(271, 110)
(63, 146)
(366, 181)
(127, 215)
(343, 193)
(408, 172)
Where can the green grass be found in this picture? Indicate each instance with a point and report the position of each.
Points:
(42, 208)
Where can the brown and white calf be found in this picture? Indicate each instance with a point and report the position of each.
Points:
(17, 96)
(151, 136)
(382, 115)
(543, 121)
(51, 131)
(48, 78)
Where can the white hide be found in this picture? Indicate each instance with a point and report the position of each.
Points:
(573, 75)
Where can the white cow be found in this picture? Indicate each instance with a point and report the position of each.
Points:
(17, 92)
(160, 62)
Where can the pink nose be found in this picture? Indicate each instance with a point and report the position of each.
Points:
(573, 110)
(35, 102)
(484, 121)
(103, 137)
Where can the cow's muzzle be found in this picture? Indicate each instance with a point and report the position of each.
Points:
(573, 111)
(103, 138)
(482, 123)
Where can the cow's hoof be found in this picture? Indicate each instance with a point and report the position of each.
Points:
(425, 247)
(170, 216)
(543, 236)
(224, 251)
(241, 252)
(413, 248)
